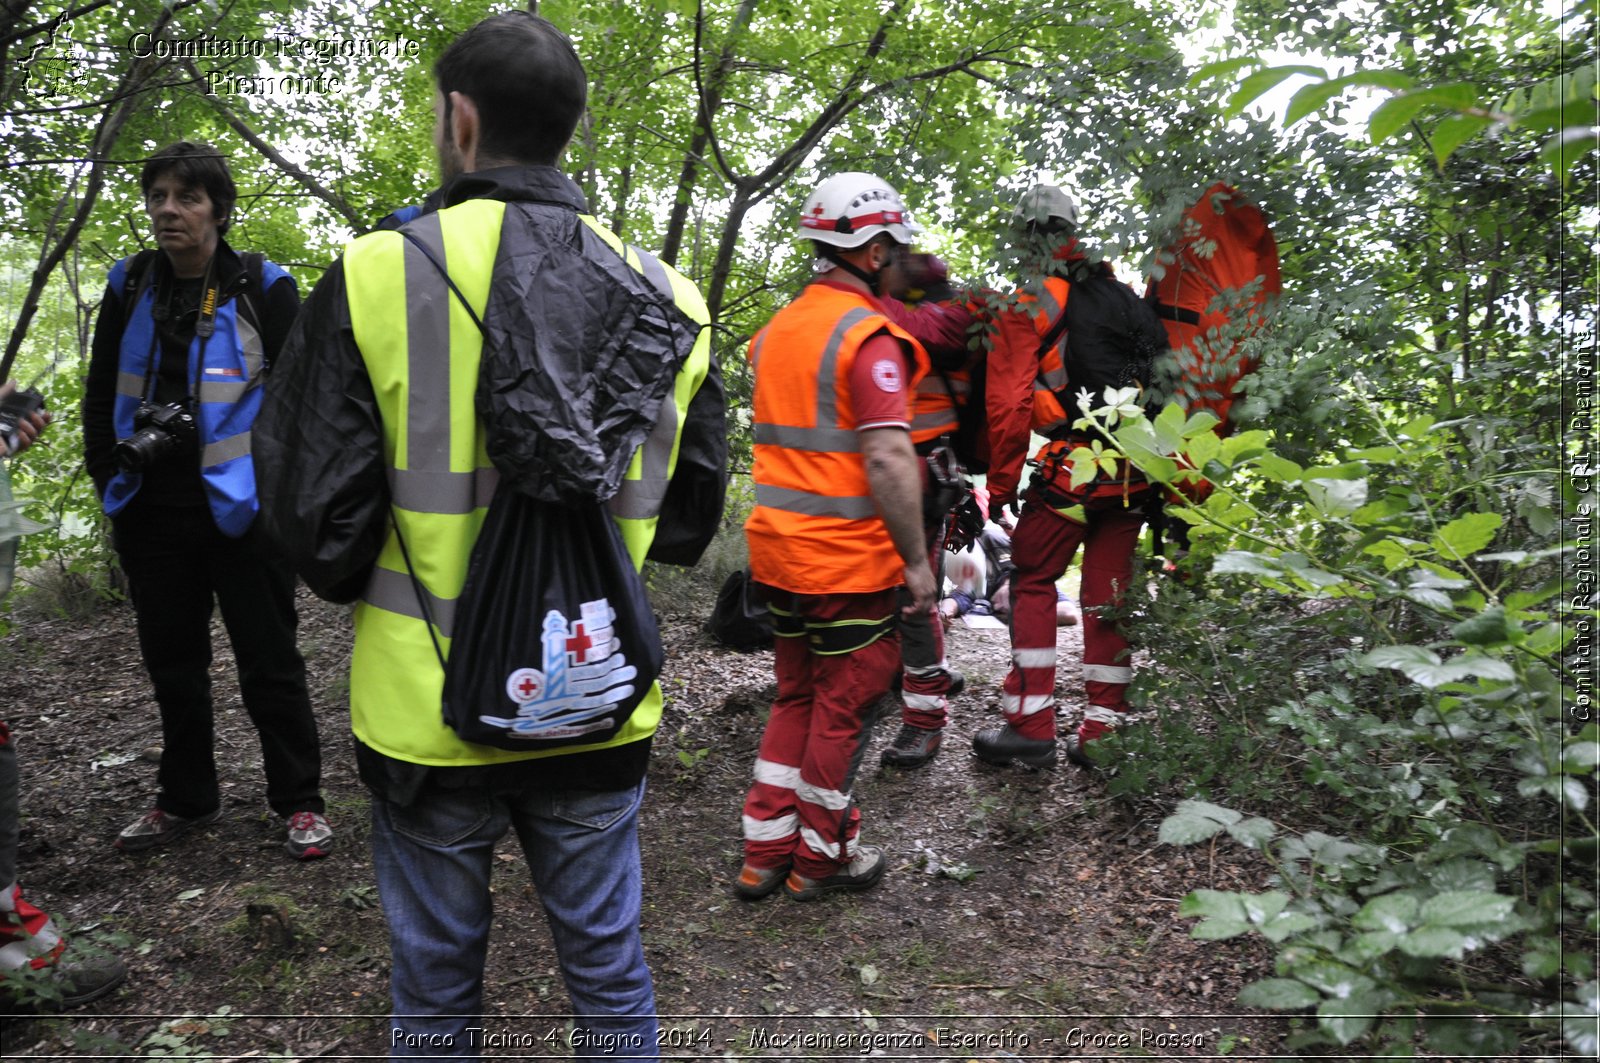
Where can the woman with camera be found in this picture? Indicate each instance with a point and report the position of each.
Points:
(183, 341)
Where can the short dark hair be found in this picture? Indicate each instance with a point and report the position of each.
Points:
(527, 81)
(194, 163)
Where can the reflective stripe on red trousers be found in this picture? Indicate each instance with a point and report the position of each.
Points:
(799, 807)
(1041, 549)
(925, 683)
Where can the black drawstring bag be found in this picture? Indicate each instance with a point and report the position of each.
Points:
(554, 643)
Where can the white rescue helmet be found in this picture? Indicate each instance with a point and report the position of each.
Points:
(848, 209)
(1043, 204)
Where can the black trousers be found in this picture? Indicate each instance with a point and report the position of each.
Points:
(178, 564)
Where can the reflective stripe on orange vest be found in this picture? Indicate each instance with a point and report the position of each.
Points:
(1049, 415)
(933, 409)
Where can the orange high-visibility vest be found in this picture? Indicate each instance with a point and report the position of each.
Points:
(934, 407)
(815, 528)
(1048, 413)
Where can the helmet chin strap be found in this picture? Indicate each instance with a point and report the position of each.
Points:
(871, 280)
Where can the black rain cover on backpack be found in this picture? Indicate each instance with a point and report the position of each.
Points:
(579, 354)
(556, 643)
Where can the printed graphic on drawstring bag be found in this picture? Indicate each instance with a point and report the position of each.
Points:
(584, 675)
(553, 641)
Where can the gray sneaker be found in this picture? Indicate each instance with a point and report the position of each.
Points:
(156, 827)
(912, 747)
(862, 873)
(310, 837)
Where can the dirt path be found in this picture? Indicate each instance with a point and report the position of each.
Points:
(1024, 915)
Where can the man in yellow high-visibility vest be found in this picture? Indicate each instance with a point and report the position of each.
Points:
(377, 481)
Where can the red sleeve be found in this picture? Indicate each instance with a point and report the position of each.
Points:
(879, 395)
(941, 328)
(1012, 367)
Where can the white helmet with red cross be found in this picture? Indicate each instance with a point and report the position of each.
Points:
(848, 209)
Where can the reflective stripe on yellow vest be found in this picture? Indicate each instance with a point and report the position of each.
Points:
(815, 528)
(406, 321)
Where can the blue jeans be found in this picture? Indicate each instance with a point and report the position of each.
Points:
(433, 861)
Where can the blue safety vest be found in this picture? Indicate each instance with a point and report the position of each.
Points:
(229, 366)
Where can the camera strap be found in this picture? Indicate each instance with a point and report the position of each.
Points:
(161, 312)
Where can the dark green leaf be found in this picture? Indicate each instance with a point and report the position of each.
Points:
(1262, 82)
(1466, 908)
(1455, 131)
(1311, 99)
(1345, 1019)
(1465, 536)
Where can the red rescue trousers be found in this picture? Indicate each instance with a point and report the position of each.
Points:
(1042, 548)
(925, 685)
(799, 808)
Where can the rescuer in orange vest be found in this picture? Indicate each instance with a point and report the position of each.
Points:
(1078, 328)
(836, 538)
(939, 321)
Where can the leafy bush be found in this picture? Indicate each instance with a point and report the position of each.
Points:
(1425, 718)
(670, 585)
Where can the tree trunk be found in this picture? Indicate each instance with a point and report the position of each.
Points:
(112, 120)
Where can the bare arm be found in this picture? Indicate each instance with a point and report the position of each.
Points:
(896, 485)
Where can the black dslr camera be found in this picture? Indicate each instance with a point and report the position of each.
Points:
(157, 432)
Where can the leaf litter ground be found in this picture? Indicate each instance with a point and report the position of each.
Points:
(1023, 915)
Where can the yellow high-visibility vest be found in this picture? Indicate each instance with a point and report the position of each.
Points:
(421, 349)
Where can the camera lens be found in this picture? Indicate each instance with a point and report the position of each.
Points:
(140, 450)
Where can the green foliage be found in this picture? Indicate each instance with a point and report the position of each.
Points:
(1564, 108)
(1458, 768)
(186, 1037)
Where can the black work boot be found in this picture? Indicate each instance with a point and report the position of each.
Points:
(1078, 752)
(912, 747)
(1002, 745)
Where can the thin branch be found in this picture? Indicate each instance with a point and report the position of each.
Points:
(272, 155)
(13, 163)
(708, 101)
(104, 101)
(13, 36)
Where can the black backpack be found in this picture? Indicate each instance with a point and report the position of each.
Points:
(740, 620)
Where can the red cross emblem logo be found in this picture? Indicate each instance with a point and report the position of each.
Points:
(578, 646)
(525, 685)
